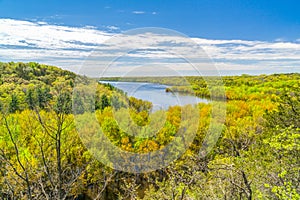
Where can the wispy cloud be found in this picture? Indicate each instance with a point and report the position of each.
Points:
(138, 12)
(68, 47)
(47, 36)
(112, 28)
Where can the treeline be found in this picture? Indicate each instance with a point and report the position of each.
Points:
(24, 85)
(43, 157)
(32, 85)
(242, 87)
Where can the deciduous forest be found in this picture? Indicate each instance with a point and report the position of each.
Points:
(43, 157)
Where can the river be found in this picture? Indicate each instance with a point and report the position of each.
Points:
(155, 93)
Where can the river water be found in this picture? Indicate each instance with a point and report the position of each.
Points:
(155, 93)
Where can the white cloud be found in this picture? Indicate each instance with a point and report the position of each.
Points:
(15, 32)
(113, 28)
(138, 12)
(68, 47)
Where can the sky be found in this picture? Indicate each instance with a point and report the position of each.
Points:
(239, 36)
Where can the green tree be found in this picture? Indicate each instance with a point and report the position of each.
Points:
(14, 103)
(102, 103)
(30, 98)
(283, 140)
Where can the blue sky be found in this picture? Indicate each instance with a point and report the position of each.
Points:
(240, 36)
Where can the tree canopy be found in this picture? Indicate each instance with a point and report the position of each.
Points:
(43, 157)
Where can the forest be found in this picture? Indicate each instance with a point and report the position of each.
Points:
(42, 155)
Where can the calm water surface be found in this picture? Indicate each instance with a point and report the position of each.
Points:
(155, 93)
